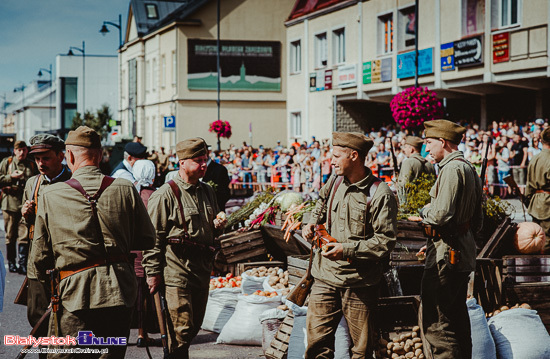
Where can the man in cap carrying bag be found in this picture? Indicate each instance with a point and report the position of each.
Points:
(48, 155)
(413, 167)
(450, 221)
(14, 172)
(361, 214)
(85, 228)
(537, 191)
(183, 212)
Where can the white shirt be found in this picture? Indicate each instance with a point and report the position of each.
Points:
(127, 174)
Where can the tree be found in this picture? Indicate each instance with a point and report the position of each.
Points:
(99, 122)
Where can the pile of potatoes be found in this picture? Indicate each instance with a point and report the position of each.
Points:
(262, 271)
(505, 307)
(279, 280)
(407, 345)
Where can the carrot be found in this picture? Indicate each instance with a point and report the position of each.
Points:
(287, 221)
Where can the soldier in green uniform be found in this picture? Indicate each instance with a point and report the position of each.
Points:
(361, 214)
(183, 212)
(14, 173)
(48, 155)
(537, 192)
(89, 241)
(413, 167)
(450, 220)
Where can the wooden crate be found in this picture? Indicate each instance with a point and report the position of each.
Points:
(410, 230)
(526, 268)
(400, 314)
(243, 267)
(241, 246)
(297, 267)
(278, 348)
(488, 283)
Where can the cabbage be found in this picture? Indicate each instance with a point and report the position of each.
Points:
(287, 199)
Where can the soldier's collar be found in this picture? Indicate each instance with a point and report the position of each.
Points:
(184, 184)
(364, 183)
(450, 157)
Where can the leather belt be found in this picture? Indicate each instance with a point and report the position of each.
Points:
(92, 264)
(542, 191)
(183, 241)
(432, 232)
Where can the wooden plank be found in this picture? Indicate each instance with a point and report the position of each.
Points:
(412, 235)
(408, 225)
(242, 238)
(526, 260)
(294, 280)
(504, 231)
(534, 269)
(229, 251)
(527, 292)
(239, 257)
(403, 256)
(298, 261)
(528, 278)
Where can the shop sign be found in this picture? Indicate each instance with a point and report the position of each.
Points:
(328, 79)
(312, 81)
(447, 57)
(347, 76)
(406, 66)
(367, 72)
(386, 69)
(469, 52)
(501, 47)
(376, 71)
(320, 80)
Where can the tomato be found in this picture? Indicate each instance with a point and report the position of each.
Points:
(229, 275)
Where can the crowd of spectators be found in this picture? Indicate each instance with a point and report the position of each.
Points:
(306, 166)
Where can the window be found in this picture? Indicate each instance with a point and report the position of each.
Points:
(321, 50)
(473, 17)
(339, 46)
(406, 36)
(151, 10)
(163, 71)
(295, 57)
(69, 98)
(147, 76)
(174, 64)
(509, 12)
(296, 124)
(385, 34)
(155, 80)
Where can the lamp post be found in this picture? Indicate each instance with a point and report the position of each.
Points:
(51, 87)
(83, 51)
(22, 90)
(104, 30)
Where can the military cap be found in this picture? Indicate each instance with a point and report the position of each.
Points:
(45, 142)
(444, 129)
(191, 148)
(83, 136)
(136, 149)
(19, 144)
(414, 141)
(354, 140)
(545, 136)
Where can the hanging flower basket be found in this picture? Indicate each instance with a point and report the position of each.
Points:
(222, 129)
(414, 106)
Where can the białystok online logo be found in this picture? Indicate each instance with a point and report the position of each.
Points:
(83, 338)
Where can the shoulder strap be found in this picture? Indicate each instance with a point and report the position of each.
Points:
(372, 190)
(177, 193)
(37, 184)
(10, 167)
(334, 187)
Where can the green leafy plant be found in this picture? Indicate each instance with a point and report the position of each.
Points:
(245, 211)
(495, 208)
(418, 195)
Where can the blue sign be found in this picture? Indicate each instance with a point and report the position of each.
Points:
(169, 122)
(405, 63)
(447, 57)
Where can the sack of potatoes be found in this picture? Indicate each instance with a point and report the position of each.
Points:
(263, 271)
(407, 345)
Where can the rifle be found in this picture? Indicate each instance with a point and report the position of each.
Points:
(54, 279)
(484, 164)
(42, 319)
(394, 160)
(514, 186)
(160, 308)
(21, 297)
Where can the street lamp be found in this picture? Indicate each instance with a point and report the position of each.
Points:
(83, 51)
(22, 90)
(104, 30)
(51, 87)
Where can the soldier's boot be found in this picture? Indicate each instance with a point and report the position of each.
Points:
(23, 255)
(11, 254)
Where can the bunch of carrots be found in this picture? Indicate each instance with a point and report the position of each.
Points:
(294, 217)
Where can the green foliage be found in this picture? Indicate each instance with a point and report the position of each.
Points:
(212, 184)
(245, 211)
(98, 121)
(418, 195)
(495, 208)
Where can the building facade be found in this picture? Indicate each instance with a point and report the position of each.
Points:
(486, 59)
(169, 71)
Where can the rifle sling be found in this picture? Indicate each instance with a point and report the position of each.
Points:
(177, 193)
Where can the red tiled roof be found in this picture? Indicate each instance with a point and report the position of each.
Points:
(304, 7)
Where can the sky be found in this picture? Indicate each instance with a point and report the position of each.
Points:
(33, 32)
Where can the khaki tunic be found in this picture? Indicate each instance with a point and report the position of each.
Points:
(367, 236)
(456, 200)
(66, 238)
(28, 195)
(200, 209)
(11, 201)
(538, 178)
(411, 169)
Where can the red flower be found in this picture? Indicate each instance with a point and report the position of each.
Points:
(413, 106)
(222, 128)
